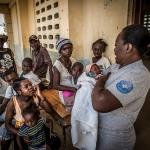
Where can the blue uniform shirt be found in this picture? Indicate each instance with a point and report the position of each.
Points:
(130, 85)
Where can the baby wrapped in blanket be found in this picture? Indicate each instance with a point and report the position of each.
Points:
(84, 119)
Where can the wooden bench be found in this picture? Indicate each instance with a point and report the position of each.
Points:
(60, 114)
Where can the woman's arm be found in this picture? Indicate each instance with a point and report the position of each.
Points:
(42, 101)
(51, 75)
(15, 67)
(46, 106)
(9, 117)
(102, 99)
(56, 82)
(48, 61)
(3, 105)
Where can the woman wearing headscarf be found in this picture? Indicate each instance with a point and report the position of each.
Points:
(62, 80)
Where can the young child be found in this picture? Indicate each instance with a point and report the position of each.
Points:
(68, 96)
(28, 73)
(76, 71)
(33, 129)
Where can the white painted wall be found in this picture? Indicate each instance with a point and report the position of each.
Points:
(83, 21)
(93, 19)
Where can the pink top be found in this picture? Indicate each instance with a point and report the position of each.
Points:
(67, 93)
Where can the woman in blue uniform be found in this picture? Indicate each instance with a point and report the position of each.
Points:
(120, 95)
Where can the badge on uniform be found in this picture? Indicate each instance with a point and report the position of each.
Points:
(124, 86)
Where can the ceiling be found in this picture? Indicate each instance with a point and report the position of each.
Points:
(4, 1)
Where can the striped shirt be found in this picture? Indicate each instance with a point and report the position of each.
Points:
(36, 134)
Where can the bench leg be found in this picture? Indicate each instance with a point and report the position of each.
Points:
(65, 140)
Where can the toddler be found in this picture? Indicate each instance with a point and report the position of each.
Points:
(33, 129)
(28, 73)
(68, 96)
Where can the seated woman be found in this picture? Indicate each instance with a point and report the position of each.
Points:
(98, 48)
(26, 95)
(62, 81)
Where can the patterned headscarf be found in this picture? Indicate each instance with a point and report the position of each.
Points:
(61, 42)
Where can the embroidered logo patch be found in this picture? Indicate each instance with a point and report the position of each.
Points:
(124, 86)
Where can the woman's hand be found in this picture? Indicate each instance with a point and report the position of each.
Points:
(103, 78)
(98, 76)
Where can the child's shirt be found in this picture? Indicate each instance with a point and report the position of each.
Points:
(36, 134)
(10, 92)
(103, 62)
(3, 87)
(32, 77)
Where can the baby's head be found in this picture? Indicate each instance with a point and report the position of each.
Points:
(93, 70)
(31, 115)
(77, 70)
(26, 65)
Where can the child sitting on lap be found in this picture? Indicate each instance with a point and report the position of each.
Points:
(68, 96)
